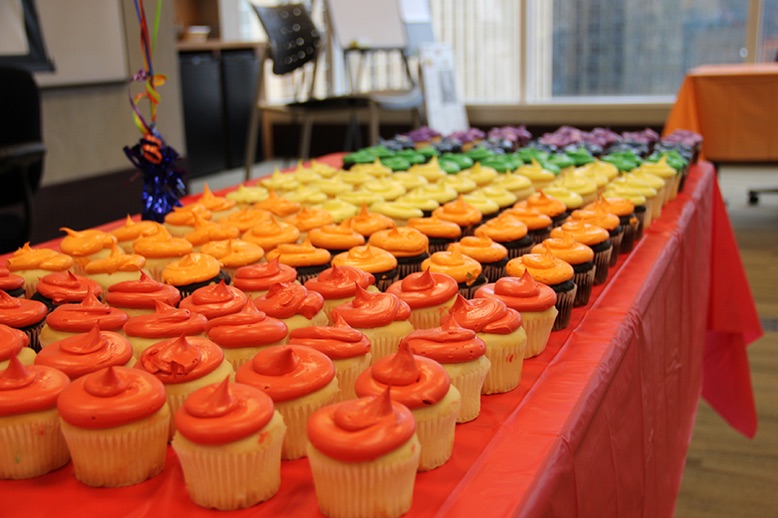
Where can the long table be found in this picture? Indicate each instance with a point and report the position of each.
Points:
(601, 421)
(735, 109)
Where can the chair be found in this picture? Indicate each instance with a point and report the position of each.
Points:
(21, 155)
(294, 42)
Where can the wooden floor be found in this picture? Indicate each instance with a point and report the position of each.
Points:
(728, 475)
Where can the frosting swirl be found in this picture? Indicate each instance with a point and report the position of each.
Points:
(185, 216)
(191, 269)
(118, 261)
(339, 282)
(544, 267)
(165, 322)
(544, 204)
(370, 310)
(249, 327)
(338, 341)
(401, 241)
(142, 293)
(424, 289)
(234, 253)
(520, 293)
(459, 212)
(436, 227)
(618, 206)
(160, 244)
(28, 258)
(11, 342)
(485, 315)
(82, 316)
(215, 300)
(286, 299)
(366, 222)
(20, 313)
(83, 353)
(449, 343)
(132, 230)
(300, 255)
(596, 217)
(26, 389)
(309, 218)
(530, 217)
(214, 203)
(367, 258)
(205, 231)
(181, 359)
(85, 242)
(566, 248)
(503, 229)
(277, 205)
(64, 287)
(270, 233)
(336, 237)
(10, 281)
(481, 248)
(452, 262)
(582, 232)
(259, 277)
(245, 219)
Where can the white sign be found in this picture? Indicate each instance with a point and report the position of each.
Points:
(445, 112)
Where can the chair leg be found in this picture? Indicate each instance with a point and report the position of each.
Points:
(251, 142)
(305, 138)
(373, 124)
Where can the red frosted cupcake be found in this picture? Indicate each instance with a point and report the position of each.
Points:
(144, 331)
(428, 294)
(243, 334)
(14, 343)
(294, 305)
(139, 297)
(338, 285)
(27, 316)
(11, 283)
(80, 354)
(64, 288)
(72, 319)
(256, 279)
(215, 300)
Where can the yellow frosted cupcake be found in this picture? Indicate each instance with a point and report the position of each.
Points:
(388, 188)
(34, 263)
(666, 173)
(537, 175)
(354, 177)
(500, 195)
(361, 197)
(580, 185)
(375, 169)
(440, 192)
(481, 175)
(233, 254)
(427, 205)
(322, 169)
(85, 246)
(409, 180)
(332, 187)
(663, 191)
(430, 171)
(461, 184)
(307, 195)
(518, 184)
(279, 182)
(339, 210)
(245, 196)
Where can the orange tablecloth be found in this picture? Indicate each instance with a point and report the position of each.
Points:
(734, 108)
(602, 419)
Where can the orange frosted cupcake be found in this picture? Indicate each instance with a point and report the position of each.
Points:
(554, 273)
(382, 317)
(256, 279)
(143, 331)
(462, 354)
(219, 206)
(233, 254)
(406, 244)
(60, 288)
(439, 232)
(293, 304)
(500, 327)
(132, 230)
(33, 263)
(215, 300)
(336, 239)
(160, 249)
(380, 456)
(551, 207)
(366, 222)
(424, 386)
(229, 445)
(245, 219)
(243, 334)
(308, 260)
(492, 256)
(373, 260)
(72, 319)
(85, 246)
(596, 238)
(14, 343)
(577, 255)
(117, 267)
(79, 354)
(338, 285)
(192, 272)
(27, 316)
(465, 270)
(206, 231)
(181, 221)
(183, 365)
(115, 422)
(610, 222)
(271, 233)
(625, 210)
(348, 348)
(299, 380)
(139, 296)
(538, 225)
(278, 206)
(31, 441)
(512, 233)
(535, 302)
(428, 294)
(460, 212)
(310, 218)
(11, 283)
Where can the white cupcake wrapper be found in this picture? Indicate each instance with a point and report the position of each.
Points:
(505, 372)
(347, 374)
(538, 328)
(436, 430)
(32, 447)
(296, 413)
(584, 282)
(469, 385)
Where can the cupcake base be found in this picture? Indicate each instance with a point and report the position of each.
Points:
(468, 289)
(468, 378)
(565, 297)
(384, 340)
(305, 273)
(31, 445)
(506, 354)
(409, 265)
(630, 225)
(616, 237)
(188, 289)
(583, 276)
(237, 356)
(428, 318)
(495, 270)
(538, 326)
(439, 244)
(602, 259)
(385, 279)
(347, 370)
(519, 247)
(435, 427)
(296, 413)
(539, 235)
(18, 293)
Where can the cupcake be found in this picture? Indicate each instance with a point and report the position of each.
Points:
(535, 302)
(139, 296)
(340, 210)
(424, 386)
(388, 188)
(256, 279)
(418, 201)
(219, 206)
(27, 316)
(610, 222)
(642, 179)
(294, 305)
(80, 354)
(143, 331)
(215, 300)
(117, 267)
(183, 365)
(33, 263)
(278, 206)
(399, 212)
(299, 380)
(130, 231)
(366, 222)
(245, 196)
(440, 192)
(577, 255)
(115, 422)
(461, 184)
(665, 172)
(481, 175)
(279, 182)
(572, 200)
(584, 187)
(160, 249)
(439, 232)
(518, 184)
(376, 261)
(308, 260)
(596, 238)
(86, 246)
(271, 233)
(245, 219)
(336, 239)
(492, 255)
(243, 334)
(348, 348)
(500, 195)
(60, 288)
(14, 343)
(31, 442)
(551, 207)
(486, 206)
(408, 245)
(72, 319)
(338, 285)
(233, 254)
(500, 328)
(642, 209)
(332, 188)
(625, 186)
(538, 225)
(462, 354)
(228, 442)
(461, 213)
(192, 272)
(465, 270)
(509, 232)
(310, 218)
(181, 221)
(430, 171)
(539, 176)
(372, 443)
(625, 210)
(428, 294)
(382, 317)
(554, 273)
(206, 231)
(11, 283)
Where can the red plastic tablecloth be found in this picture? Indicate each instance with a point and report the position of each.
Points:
(602, 419)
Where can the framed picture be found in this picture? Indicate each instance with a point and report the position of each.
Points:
(21, 37)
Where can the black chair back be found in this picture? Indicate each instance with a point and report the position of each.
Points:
(294, 39)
